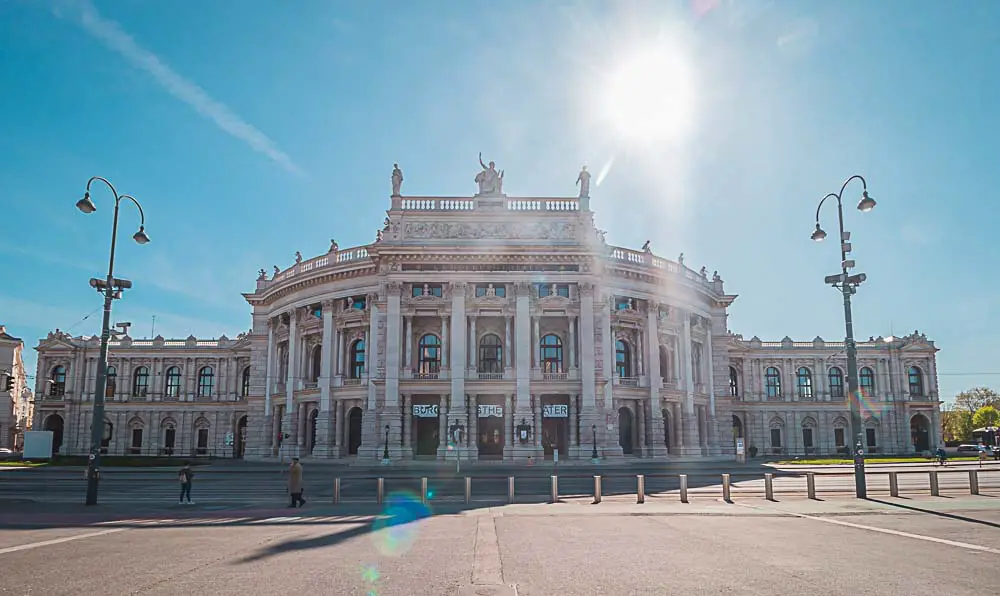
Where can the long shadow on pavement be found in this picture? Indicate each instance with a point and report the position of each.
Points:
(938, 513)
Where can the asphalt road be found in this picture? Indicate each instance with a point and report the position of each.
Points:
(914, 548)
(267, 485)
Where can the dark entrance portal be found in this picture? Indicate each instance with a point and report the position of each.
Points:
(491, 437)
(428, 434)
(554, 432)
(625, 438)
(354, 431)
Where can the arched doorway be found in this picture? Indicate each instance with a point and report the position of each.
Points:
(737, 428)
(354, 430)
(312, 430)
(920, 433)
(625, 438)
(54, 423)
(666, 426)
(240, 443)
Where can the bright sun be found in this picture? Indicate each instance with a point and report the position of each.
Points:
(650, 96)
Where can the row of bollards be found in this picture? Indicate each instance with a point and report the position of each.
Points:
(641, 487)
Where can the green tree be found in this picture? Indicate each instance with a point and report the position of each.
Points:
(956, 424)
(986, 416)
(977, 397)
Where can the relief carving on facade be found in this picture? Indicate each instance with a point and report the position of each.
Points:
(529, 230)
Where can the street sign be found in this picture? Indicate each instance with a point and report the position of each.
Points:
(229, 439)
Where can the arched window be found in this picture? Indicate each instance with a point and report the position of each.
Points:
(173, 382)
(664, 364)
(111, 374)
(140, 382)
(206, 381)
(552, 354)
(429, 355)
(317, 360)
(245, 382)
(734, 383)
(916, 377)
(772, 382)
(866, 380)
(357, 359)
(623, 359)
(804, 383)
(58, 387)
(490, 354)
(836, 382)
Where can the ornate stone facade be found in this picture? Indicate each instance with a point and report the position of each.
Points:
(505, 322)
(15, 403)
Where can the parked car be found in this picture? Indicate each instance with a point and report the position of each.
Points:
(968, 447)
(6, 454)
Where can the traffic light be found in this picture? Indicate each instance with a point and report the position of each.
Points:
(8, 385)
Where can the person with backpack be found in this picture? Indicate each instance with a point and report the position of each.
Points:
(186, 475)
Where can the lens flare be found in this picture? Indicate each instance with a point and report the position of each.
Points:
(396, 531)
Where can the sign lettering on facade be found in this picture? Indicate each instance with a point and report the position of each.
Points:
(555, 411)
(490, 411)
(425, 410)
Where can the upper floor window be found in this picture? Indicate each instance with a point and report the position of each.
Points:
(173, 381)
(553, 290)
(355, 302)
(206, 381)
(317, 362)
(245, 382)
(429, 355)
(428, 290)
(58, 387)
(804, 383)
(734, 383)
(696, 359)
(666, 365)
(916, 378)
(111, 377)
(483, 290)
(357, 364)
(866, 380)
(624, 303)
(551, 354)
(140, 382)
(836, 382)
(490, 354)
(623, 359)
(772, 382)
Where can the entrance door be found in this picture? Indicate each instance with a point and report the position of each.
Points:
(491, 437)
(428, 433)
(240, 443)
(920, 435)
(354, 431)
(554, 431)
(625, 430)
(54, 423)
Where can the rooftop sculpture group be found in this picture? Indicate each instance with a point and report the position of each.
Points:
(490, 181)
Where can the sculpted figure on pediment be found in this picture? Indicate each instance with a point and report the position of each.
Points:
(534, 230)
(489, 180)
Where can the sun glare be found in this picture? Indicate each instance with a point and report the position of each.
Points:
(650, 96)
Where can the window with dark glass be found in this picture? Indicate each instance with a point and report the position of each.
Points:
(838, 437)
(734, 382)
(866, 380)
(357, 359)
(916, 381)
(870, 437)
(772, 382)
(836, 382)
(245, 382)
(173, 382)
(804, 383)
(775, 437)
(624, 302)
(696, 357)
(58, 387)
(140, 382)
(552, 354)
(206, 381)
(552, 290)
(429, 355)
(111, 376)
(623, 359)
(317, 361)
(490, 354)
(428, 290)
(357, 302)
(807, 438)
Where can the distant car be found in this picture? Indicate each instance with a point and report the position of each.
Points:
(968, 447)
(6, 453)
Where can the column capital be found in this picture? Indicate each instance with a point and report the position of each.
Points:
(586, 289)
(393, 287)
(522, 288)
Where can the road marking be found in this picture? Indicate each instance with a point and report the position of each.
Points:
(486, 565)
(14, 549)
(272, 520)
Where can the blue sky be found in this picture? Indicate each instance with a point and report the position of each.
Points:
(252, 130)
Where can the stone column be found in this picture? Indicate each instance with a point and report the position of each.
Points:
(269, 367)
(391, 413)
(407, 350)
(692, 438)
(506, 343)
(407, 404)
(444, 343)
(371, 431)
(656, 447)
(323, 419)
(443, 428)
(288, 422)
(570, 321)
(589, 412)
(536, 412)
(510, 435)
(523, 355)
(536, 342)
(338, 436)
(459, 351)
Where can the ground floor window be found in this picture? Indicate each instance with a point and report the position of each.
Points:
(776, 437)
(870, 437)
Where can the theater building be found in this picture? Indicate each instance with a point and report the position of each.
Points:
(489, 327)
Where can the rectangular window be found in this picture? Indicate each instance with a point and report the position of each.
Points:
(870, 437)
(136, 441)
(552, 290)
(807, 438)
(498, 290)
(696, 362)
(838, 437)
(202, 441)
(775, 437)
(168, 440)
(427, 290)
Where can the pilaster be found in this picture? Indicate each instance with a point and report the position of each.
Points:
(654, 447)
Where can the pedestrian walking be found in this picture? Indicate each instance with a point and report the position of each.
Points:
(186, 475)
(295, 483)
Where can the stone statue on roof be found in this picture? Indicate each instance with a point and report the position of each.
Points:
(397, 179)
(489, 180)
(584, 181)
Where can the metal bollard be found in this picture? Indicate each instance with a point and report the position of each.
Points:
(640, 489)
(597, 490)
(726, 496)
(380, 490)
(811, 485)
(554, 498)
(423, 490)
(468, 490)
(769, 487)
(935, 488)
(336, 491)
(510, 490)
(893, 484)
(684, 487)
(973, 482)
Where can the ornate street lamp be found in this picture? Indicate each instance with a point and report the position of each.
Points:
(112, 288)
(593, 454)
(847, 284)
(385, 446)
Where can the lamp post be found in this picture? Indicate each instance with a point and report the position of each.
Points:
(112, 288)
(847, 284)
(385, 446)
(593, 454)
